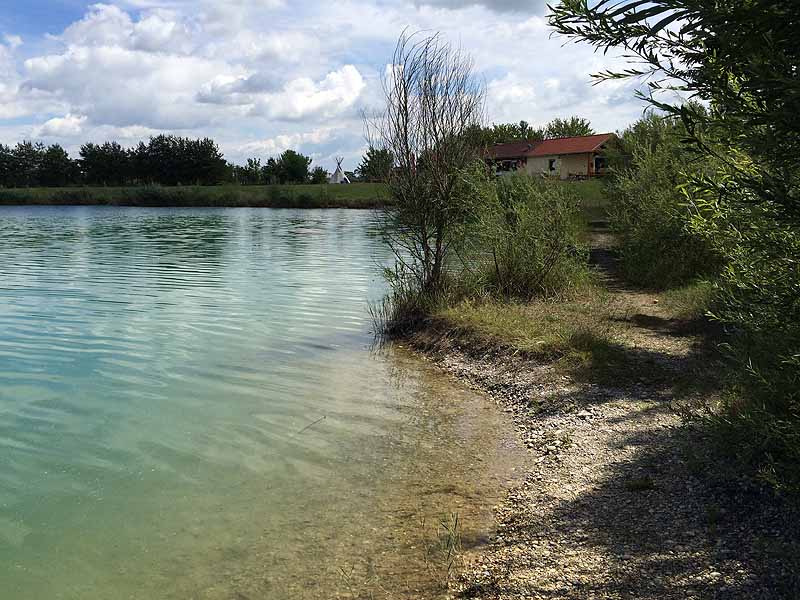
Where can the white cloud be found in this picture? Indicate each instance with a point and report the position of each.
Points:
(298, 99)
(108, 25)
(118, 86)
(264, 75)
(274, 146)
(61, 127)
(527, 6)
(303, 97)
(12, 41)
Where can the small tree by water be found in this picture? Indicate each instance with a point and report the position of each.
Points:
(433, 99)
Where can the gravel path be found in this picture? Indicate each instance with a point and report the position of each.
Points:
(622, 499)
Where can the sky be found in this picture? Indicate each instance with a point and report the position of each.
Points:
(261, 76)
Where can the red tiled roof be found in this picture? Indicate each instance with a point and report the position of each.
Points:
(558, 146)
(512, 150)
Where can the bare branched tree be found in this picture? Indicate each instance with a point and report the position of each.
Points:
(433, 101)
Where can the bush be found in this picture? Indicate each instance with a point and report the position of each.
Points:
(759, 305)
(518, 240)
(648, 210)
(528, 239)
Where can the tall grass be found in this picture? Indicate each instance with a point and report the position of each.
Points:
(357, 195)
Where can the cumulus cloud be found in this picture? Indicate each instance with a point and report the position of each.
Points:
(297, 99)
(62, 127)
(261, 76)
(276, 145)
(12, 41)
(118, 86)
(301, 98)
(108, 25)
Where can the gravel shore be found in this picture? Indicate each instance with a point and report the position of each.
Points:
(622, 497)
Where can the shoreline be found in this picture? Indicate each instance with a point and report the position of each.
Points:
(357, 195)
(621, 496)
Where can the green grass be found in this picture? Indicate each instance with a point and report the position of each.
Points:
(589, 336)
(357, 195)
(579, 335)
(689, 302)
(592, 195)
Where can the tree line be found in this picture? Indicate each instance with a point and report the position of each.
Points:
(485, 136)
(173, 160)
(163, 160)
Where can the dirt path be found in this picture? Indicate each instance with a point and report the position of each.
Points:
(622, 498)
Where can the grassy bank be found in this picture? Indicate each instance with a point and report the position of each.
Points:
(357, 195)
(594, 204)
(596, 335)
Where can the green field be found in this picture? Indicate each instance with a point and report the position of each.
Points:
(592, 195)
(356, 195)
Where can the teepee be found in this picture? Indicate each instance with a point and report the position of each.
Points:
(338, 175)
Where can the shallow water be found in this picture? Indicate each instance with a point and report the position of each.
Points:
(190, 407)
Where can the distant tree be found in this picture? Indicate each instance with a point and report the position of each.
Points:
(27, 159)
(376, 165)
(7, 166)
(293, 167)
(569, 127)
(319, 175)
(108, 164)
(500, 133)
(270, 172)
(251, 172)
(208, 163)
(56, 168)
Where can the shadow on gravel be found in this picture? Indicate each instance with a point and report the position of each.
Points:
(671, 523)
(621, 365)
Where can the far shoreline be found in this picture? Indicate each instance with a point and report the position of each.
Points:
(351, 196)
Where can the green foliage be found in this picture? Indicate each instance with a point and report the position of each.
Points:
(648, 210)
(29, 164)
(570, 127)
(362, 195)
(293, 167)
(319, 175)
(741, 58)
(250, 174)
(164, 160)
(527, 237)
(483, 137)
(376, 165)
(500, 133)
(56, 169)
(690, 302)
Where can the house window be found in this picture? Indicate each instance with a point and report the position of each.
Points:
(600, 164)
(551, 164)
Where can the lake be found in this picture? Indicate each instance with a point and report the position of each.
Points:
(192, 406)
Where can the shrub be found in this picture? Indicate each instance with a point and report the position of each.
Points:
(527, 236)
(648, 210)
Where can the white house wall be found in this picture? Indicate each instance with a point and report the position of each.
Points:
(574, 164)
(566, 165)
(539, 165)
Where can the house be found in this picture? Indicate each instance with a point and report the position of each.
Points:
(581, 156)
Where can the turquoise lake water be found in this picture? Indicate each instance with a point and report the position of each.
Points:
(191, 406)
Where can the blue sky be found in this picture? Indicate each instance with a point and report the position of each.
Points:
(261, 76)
